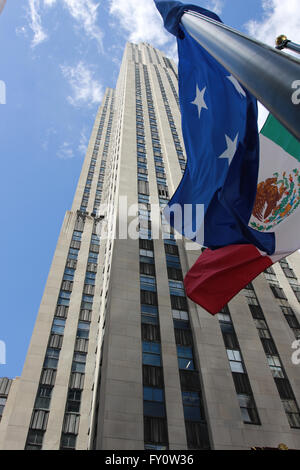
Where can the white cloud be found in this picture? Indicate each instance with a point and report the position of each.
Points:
(216, 6)
(84, 13)
(35, 22)
(65, 151)
(85, 89)
(279, 18)
(141, 21)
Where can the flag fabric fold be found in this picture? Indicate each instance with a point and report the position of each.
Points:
(247, 185)
(218, 275)
(172, 11)
(219, 126)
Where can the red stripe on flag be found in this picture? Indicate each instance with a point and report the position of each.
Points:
(218, 275)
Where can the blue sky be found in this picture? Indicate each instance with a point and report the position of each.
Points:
(57, 57)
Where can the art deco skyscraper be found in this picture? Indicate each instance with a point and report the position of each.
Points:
(119, 358)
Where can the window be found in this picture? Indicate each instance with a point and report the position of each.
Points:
(251, 297)
(192, 406)
(269, 346)
(77, 235)
(73, 402)
(291, 409)
(225, 317)
(151, 353)
(149, 314)
(95, 240)
(278, 292)
(289, 272)
(2, 404)
(146, 253)
(78, 364)
(90, 278)
(147, 268)
(69, 274)
(275, 366)
(148, 283)
(183, 336)
(58, 326)
(197, 435)
(73, 253)
(34, 440)
(83, 330)
(229, 336)
(68, 441)
(262, 328)
(178, 303)
(153, 376)
(248, 409)
(180, 315)
(154, 402)
(142, 198)
(150, 332)
(43, 398)
(235, 360)
(93, 257)
(241, 383)
(185, 357)
(176, 288)
(148, 297)
(173, 261)
(175, 273)
(155, 432)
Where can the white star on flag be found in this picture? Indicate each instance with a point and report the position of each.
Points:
(231, 148)
(199, 100)
(236, 84)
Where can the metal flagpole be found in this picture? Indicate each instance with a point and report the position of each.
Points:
(282, 42)
(270, 75)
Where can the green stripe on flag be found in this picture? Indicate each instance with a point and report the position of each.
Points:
(276, 132)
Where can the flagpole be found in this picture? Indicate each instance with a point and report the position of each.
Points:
(282, 42)
(270, 75)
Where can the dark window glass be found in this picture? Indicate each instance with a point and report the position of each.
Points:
(197, 435)
(278, 292)
(269, 346)
(229, 336)
(155, 430)
(183, 337)
(152, 376)
(68, 441)
(242, 384)
(154, 409)
(150, 332)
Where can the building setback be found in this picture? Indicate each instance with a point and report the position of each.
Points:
(119, 357)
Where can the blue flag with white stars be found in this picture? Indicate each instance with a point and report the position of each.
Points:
(214, 200)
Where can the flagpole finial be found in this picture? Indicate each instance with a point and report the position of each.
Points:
(281, 41)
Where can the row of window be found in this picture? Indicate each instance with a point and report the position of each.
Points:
(191, 399)
(86, 194)
(240, 377)
(155, 424)
(284, 388)
(176, 140)
(287, 311)
(40, 413)
(72, 410)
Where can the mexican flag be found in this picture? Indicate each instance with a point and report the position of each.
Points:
(218, 275)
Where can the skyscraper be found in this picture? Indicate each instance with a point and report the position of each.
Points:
(119, 357)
